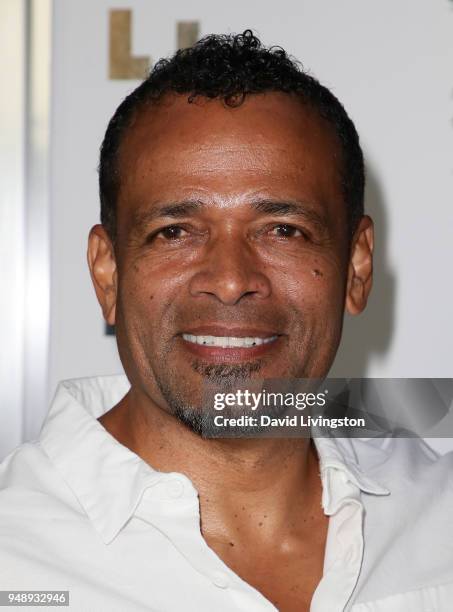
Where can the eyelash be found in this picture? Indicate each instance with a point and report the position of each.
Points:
(170, 228)
(161, 231)
(290, 227)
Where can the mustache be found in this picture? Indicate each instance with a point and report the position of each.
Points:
(251, 316)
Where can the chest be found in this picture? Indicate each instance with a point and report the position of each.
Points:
(288, 584)
(285, 574)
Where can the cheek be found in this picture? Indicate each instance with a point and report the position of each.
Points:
(148, 281)
(152, 286)
(144, 296)
(317, 280)
(150, 289)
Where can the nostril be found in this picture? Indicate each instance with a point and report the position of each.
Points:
(230, 286)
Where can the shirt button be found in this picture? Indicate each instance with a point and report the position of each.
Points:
(175, 489)
(220, 580)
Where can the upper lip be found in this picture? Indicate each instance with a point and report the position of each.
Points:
(230, 332)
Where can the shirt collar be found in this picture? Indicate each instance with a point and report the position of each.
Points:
(106, 477)
(109, 480)
(338, 460)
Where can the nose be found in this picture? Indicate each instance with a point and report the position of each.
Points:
(230, 271)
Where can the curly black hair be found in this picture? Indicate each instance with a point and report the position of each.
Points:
(229, 67)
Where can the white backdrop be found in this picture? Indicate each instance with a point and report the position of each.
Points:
(390, 63)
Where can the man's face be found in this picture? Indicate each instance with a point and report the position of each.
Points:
(232, 256)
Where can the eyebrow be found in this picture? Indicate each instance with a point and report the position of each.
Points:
(292, 208)
(175, 210)
(186, 208)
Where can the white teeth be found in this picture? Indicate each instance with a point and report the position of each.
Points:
(227, 341)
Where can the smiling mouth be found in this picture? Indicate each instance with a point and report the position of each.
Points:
(228, 341)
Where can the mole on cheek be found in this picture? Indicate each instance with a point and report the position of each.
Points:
(317, 273)
(151, 297)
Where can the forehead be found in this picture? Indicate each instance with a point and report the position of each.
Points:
(271, 145)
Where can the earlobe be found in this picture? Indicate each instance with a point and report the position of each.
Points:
(102, 264)
(360, 272)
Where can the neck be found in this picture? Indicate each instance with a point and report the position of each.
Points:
(252, 485)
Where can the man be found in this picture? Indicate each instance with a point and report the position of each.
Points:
(232, 240)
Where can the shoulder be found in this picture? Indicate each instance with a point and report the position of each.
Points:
(407, 532)
(31, 487)
(39, 514)
(408, 463)
(28, 464)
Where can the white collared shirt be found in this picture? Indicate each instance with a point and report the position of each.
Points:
(80, 512)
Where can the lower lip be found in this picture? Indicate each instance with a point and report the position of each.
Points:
(217, 354)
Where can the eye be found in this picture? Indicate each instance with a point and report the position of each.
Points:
(283, 230)
(172, 232)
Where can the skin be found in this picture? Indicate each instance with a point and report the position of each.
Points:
(234, 261)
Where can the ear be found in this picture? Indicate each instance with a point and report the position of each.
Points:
(360, 271)
(102, 264)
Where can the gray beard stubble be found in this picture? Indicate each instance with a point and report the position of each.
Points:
(224, 378)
